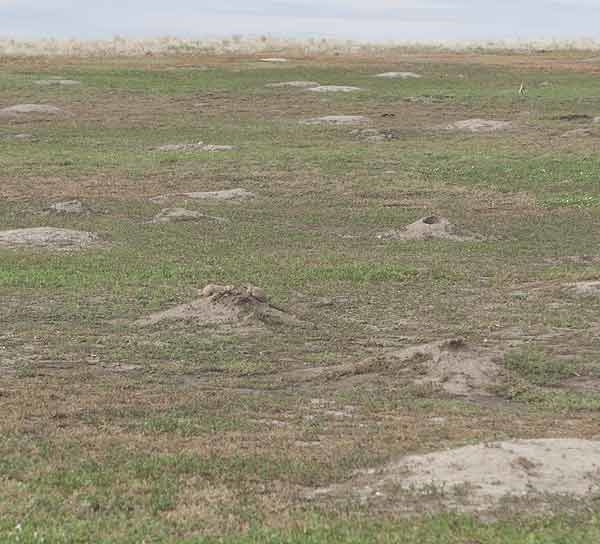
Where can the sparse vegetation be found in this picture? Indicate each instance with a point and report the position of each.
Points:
(196, 431)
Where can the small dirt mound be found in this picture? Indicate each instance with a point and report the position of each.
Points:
(373, 135)
(178, 215)
(296, 84)
(17, 137)
(227, 194)
(431, 227)
(578, 133)
(199, 146)
(399, 75)
(74, 207)
(479, 125)
(47, 237)
(585, 288)
(484, 476)
(337, 120)
(334, 89)
(273, 59)
(60, 82)
(24, 109)
(224, 304)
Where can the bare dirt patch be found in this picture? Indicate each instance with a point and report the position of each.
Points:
(47, 237)
(199, 146)
(399, 75)
(17, 137)
(482, 477)
(179, 215)
(585, 288)
(479, 125)
(334, 89)
(34, 109)
(293, 84)
(74, 207)
(431, 227)
(237, 194)
(337, 120)
(225, 304)
(57, 81)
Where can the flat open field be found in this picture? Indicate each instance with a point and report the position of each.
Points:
(420, 278)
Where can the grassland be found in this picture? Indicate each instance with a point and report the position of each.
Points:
(112, 432)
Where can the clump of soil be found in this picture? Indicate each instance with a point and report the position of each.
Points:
(334, 89)
(399, 75)
(24, 109)
(227, 194)
(479, 125)
(74, 207)
(47, 237)
(178, 215)
(199, 146)
(224, 304)
(296, 84)
(483, 477)
(431, 227)
(337, 120)
(58, 81)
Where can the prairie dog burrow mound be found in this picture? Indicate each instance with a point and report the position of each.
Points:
(225, 304)
(431, 227)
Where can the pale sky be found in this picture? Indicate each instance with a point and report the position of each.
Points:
(373, 20)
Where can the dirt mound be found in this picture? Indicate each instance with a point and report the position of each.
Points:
(585, 288)
(70, 206)
(399, 75)
(578, 133)
(227, 194)
(296, 84)
(479, 125)
(199, 146)
(484, 476)
(334, 89)
(337, 120)
(224, 304)
(431, 227)
(22, 136)
(24, 109)
(274, 59)
(57, 81)
(178, 215)
(47, 237)
(373, 135)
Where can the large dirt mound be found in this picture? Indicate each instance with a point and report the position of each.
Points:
(431, 227)
(227, 194)
(337, 120)
(224, 304)
(479, 125)
(484, 476)
(24, 109)
(47, 237)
